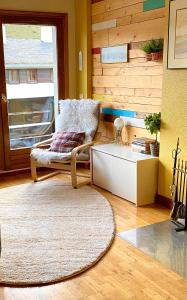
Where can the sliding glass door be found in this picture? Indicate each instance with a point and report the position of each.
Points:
(33, 80)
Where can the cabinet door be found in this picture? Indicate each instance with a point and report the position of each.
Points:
(102, 171)
(124, 179)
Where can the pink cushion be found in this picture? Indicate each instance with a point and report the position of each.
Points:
(64, 142)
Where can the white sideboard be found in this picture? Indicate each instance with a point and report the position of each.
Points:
(127, 174)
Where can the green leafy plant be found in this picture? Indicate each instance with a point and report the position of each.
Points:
(146, 48)
(156, 45)
(153, 46)
(152, 123)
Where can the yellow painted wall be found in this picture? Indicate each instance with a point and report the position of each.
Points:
(174, 121)
(64, 6)
(83, 43)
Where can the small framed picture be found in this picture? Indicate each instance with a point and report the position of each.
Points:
(177, 44)
(117, 54)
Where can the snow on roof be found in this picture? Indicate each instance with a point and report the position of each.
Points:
(28, 52)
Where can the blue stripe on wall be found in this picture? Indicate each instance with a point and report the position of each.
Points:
(118, 112)
(153, 4)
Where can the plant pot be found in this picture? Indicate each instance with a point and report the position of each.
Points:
(148, 56)
(154, 148)
(156, 56)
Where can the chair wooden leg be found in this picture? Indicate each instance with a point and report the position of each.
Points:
(73, 174)
(33, 170)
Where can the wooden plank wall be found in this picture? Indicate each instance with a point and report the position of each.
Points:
(136, 85)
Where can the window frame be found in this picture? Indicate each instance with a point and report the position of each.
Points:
(13, 159)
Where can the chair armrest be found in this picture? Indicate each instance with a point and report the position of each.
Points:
(42, 144)
(79, 148)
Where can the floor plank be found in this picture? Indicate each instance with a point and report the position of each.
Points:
(123, 273)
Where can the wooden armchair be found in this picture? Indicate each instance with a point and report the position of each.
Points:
(86, 114)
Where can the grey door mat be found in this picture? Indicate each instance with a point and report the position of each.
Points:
(163, 243)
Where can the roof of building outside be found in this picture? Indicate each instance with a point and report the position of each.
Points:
(28, 52)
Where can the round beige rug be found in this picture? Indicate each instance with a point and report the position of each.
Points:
(50, 231)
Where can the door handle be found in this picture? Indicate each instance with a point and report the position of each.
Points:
(4, 99)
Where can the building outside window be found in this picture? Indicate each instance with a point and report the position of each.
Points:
(30, 62)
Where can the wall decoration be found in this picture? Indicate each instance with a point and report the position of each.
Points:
(118, 112)
(96, 50)
(104, 25)
(117, 54)
(153, 4)
(177, 46)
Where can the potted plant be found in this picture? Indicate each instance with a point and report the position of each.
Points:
(152, 123)
(153, 49)
(157, 48)
(147, 49)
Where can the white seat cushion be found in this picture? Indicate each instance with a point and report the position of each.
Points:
(44, 156)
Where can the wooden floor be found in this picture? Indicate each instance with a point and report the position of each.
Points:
(123, 273)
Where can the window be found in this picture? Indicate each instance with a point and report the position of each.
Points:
(21, 50)
(44, 75)
(12, 76)
(23, 76)
(32, 76)
(29, 76)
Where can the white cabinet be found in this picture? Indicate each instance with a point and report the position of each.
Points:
(127, 174)
(102, 161)
(124, 179)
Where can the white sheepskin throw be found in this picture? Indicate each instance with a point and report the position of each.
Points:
(79, 116)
